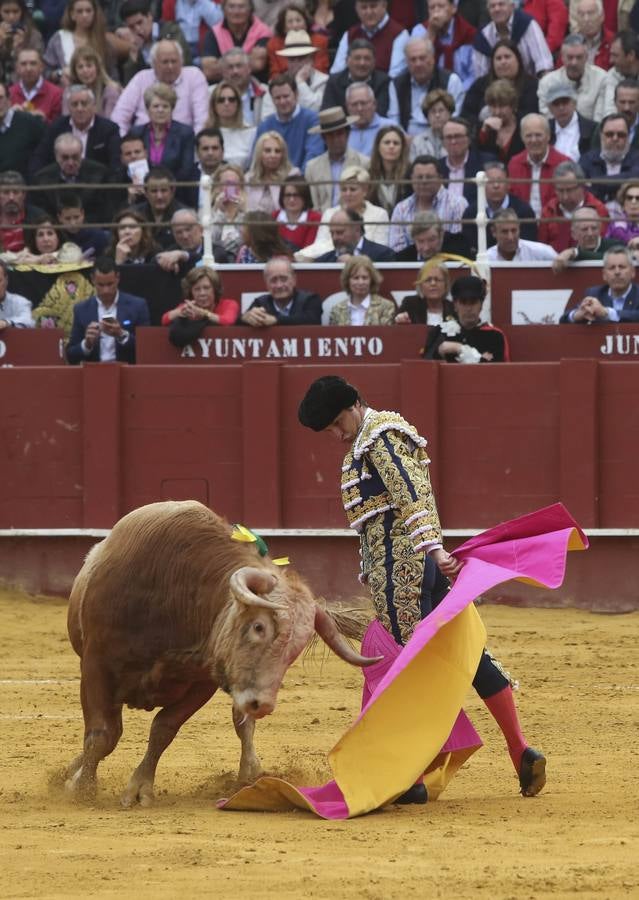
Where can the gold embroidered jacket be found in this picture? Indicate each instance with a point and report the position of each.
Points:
(388, 500)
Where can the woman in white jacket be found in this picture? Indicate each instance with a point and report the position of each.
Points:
(354, 185)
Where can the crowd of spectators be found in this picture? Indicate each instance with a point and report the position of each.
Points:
(332, 130)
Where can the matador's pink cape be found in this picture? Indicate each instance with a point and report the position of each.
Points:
(412, 720)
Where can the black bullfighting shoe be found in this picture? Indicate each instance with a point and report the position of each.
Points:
(532, 772)
(415, 794)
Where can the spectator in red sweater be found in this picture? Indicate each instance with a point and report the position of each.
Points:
(536, 164)
(297, 221)
(203, 301)
(552, 16)
(570, 195)
(32, 92)
(451, 36)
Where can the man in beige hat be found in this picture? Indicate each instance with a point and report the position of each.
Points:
(299, 53)
(323, 172)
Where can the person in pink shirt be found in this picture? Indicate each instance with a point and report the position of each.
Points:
(188, 82)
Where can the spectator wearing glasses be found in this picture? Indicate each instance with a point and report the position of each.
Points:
(226, 113)
(625, 230)
(461, 161)
(614, 160)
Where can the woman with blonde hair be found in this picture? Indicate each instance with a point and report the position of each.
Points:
(225, 113)
(83, 25)
(429, 305)
(354, 185)
(229, 206)
(86, 68)
(363, 306)
(389, 161)
(270, 168)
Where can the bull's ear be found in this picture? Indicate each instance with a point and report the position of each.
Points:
(327, 630)
(248, 583)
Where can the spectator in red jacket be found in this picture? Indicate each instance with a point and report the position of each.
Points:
(32, 92)
(535, 164)
(571, 195)
(552, 16)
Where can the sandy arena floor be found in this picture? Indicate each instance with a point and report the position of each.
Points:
(579, 702)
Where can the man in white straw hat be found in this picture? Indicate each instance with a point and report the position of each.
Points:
(323, 173)
(299, 53)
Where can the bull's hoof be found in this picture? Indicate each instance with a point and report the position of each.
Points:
(249, 774)
(138, 792)
(81, 788)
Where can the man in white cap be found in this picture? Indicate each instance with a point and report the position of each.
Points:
(570, 132)
(299, 54)
(323, 172)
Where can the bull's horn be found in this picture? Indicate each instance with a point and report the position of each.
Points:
(327, 630)
(248, 583)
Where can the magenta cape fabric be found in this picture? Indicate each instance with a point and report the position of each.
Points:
(531, 548)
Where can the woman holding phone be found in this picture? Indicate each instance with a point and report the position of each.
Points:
(229, 207)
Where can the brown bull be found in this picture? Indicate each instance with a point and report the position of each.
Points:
(167, 609)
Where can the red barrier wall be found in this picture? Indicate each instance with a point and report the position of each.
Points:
(85, 445)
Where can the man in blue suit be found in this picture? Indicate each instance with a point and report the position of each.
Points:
(615, 301)
(104, 326)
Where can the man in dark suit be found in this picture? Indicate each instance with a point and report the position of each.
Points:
(188, 249)
(104, 326)
(99, 136)
(429, 239)
(615, 301)
(461, 160)
(498, 197)
(614, 162)
(284, 304)
(70, 169)
(347, 232)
